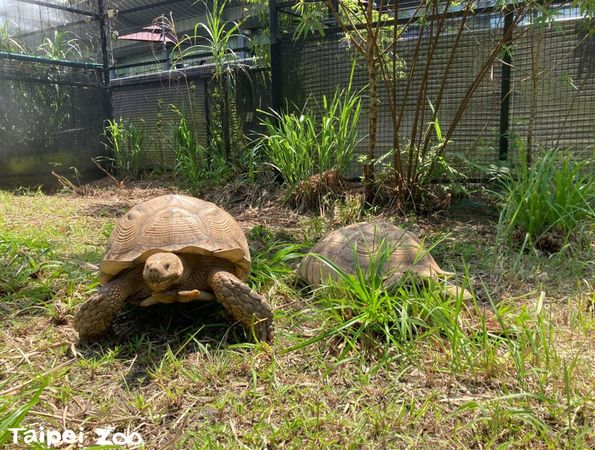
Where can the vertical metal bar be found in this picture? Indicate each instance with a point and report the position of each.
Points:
(276, 57)
(103, 30)
(505, 87)
(165, 54)
(207, 112)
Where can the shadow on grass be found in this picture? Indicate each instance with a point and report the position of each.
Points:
(146, 335)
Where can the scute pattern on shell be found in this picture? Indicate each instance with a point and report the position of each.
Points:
(362, 240)
(178, 224)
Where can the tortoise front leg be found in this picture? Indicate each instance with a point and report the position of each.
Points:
(96, 315)
(174, 296)
(244, 304)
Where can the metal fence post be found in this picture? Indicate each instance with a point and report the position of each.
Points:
(276, 57)
(505, 87)
(103, 31)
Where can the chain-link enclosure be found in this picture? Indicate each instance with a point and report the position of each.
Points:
(68, 66)
(548, 100)
(53, 97)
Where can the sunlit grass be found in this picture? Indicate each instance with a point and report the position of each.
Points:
(353, 364)
(549, 204)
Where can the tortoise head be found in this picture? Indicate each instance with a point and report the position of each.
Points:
(162, 270)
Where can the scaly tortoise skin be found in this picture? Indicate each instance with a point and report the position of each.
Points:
(352, 246)
(170, 249)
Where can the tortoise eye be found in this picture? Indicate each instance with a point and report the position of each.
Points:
(167, 267)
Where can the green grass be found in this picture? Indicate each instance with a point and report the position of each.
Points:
(301, 144)
(185, 378)
(549, 204)
(126, 143)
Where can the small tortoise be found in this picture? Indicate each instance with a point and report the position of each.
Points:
(175, 248)
(350, 247)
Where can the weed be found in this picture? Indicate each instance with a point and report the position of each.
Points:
(549, 204)
(302, 145)
(347, 210)
(313, 228)
(191, 164)
(125, 142)
(26, 265)
(274, 264)
(8, 43)
(12, 419)
(61, 47)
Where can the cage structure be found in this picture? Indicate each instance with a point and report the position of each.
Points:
(53, 89)
(163, 70)
(536, 88)
(68, 66)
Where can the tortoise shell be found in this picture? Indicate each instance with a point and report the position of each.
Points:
(350, 247)
(177, 224)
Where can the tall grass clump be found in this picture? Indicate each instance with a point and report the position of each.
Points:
(549, 204)
(125, 142)
(274, 264)
(195, 164)
(364, 312)
(215, 35)
(190, 155)
(302, 145)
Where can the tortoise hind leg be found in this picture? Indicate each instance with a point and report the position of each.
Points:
(96, 315)
(244, 304)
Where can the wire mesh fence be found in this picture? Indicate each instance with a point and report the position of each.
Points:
(551, 99)
(51, 119)
(156, 103)
(57, 30)
(53, 97)
(152, 103)
(553, 89)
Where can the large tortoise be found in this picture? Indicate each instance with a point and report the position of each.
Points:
(353, 246)
(175, 248)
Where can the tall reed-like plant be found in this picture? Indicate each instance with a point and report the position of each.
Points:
(189, 153)
(196, 165)
(376, 31)
(300, 144)
(8, 43)
(547, 204)
(125, 142)
(216, 35)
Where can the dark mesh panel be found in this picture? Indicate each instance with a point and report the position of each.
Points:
(562, 100)
(66, 31)
(146, 101)
(51, 118)
(565, 106)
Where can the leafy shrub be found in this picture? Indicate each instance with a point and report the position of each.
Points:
(547, 204)
(125, 142)
(302, 145)
(195, 164)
